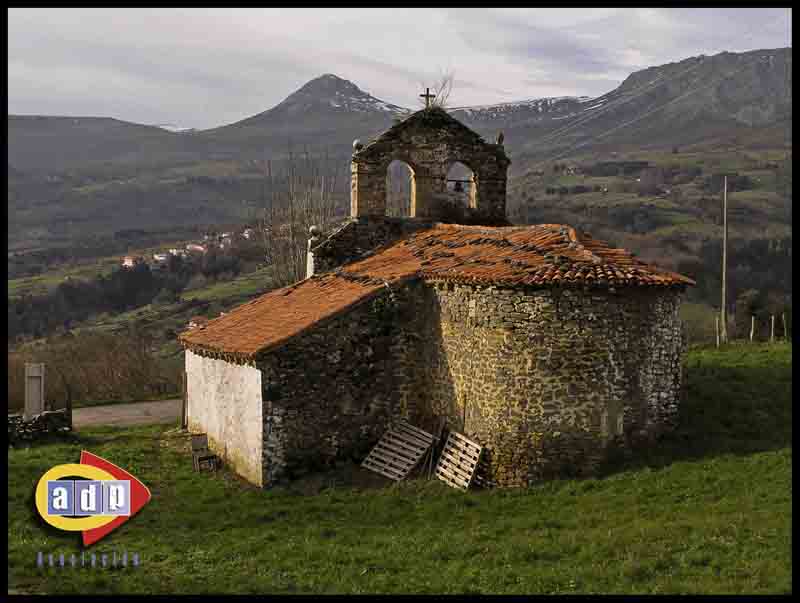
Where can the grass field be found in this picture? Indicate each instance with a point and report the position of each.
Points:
(708, 511)
(44, 283)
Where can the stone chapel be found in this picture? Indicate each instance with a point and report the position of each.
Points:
(543, 344)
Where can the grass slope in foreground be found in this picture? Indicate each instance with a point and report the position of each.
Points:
(708, 512)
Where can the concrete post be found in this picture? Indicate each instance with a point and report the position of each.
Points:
(34, 389)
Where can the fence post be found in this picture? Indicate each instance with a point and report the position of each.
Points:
(772, 328)
(785, 330)
(752, 327)
(716, 328)
(69, 407)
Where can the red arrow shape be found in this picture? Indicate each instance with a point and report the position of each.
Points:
(140, 496)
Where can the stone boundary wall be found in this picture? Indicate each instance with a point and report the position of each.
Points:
(550, 380)
(38, 426)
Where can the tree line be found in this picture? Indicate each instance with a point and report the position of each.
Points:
(123, 289)
(95, 366)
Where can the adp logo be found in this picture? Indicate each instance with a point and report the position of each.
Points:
(107, 497)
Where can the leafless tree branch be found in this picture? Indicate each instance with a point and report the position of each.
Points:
(442, 88)
(304, 195)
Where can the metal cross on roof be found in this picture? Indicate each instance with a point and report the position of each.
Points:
(427, 96)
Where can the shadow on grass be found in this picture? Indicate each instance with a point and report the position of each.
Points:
(736, 402)
(96, 438)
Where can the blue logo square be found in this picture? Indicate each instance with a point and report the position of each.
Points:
(60, 497)
(88, 497)
(117, 497)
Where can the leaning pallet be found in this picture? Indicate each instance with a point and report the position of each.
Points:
(458, 462)
(398, 451)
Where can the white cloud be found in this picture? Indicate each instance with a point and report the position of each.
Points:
(208, 66)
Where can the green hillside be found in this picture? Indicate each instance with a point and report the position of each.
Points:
(708, 511)
(670, 213)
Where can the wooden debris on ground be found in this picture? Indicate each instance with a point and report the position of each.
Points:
(430, 458)
(398, 451)
(459, 461)
(201, 454)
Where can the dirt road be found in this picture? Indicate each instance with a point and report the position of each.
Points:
(135, 413)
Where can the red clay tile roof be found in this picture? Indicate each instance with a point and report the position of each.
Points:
(543, 255)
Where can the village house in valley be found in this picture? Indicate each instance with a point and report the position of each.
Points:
(546, 346)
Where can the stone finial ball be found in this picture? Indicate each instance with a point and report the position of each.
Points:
(314, 230)
(357, 146)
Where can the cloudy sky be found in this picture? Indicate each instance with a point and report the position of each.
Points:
(205, 67)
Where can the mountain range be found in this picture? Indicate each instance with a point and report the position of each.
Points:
(55, 162)
(749, 89)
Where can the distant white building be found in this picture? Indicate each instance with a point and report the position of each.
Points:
(129, 261)
(160, 257)
(197, 321)
(196, 248)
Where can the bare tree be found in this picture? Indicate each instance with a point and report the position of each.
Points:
(304, 194)
(95, 366)
(442, 88)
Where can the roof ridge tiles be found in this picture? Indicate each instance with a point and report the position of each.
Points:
(539, 255)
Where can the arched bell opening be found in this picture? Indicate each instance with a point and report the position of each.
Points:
(460, 185)
(401, 189)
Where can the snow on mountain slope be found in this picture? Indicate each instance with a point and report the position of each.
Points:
(530, 109)
(332, 92)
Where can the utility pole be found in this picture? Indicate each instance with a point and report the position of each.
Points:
(723, 308)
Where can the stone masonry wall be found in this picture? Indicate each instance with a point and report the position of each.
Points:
(547, 380)
(331, 392)
(430, 142)
(355, 237)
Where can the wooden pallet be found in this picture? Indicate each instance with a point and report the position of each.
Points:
(399, 451)
(458, 462)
